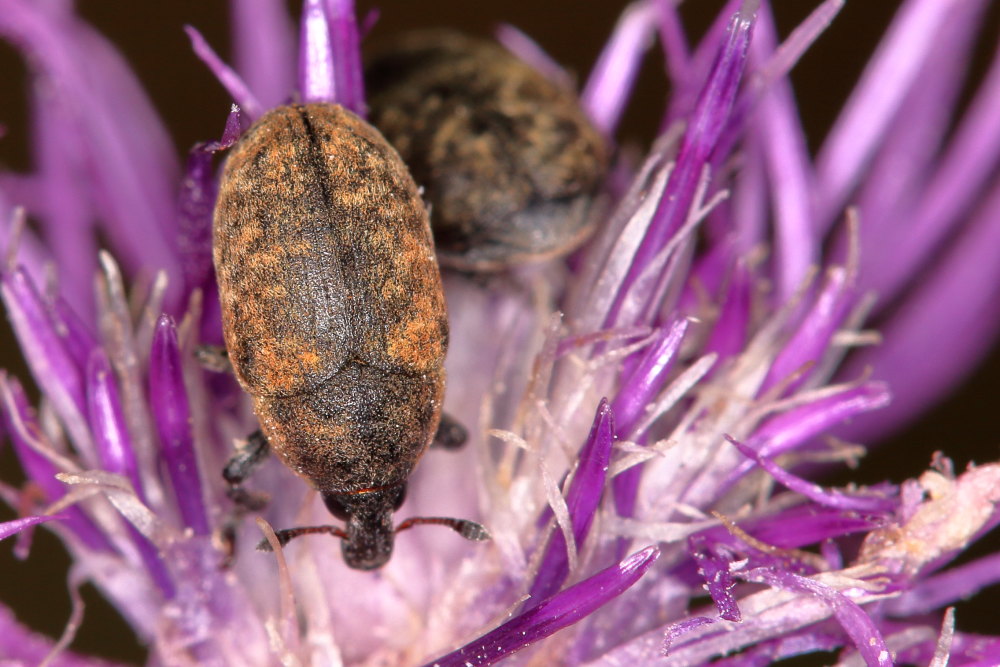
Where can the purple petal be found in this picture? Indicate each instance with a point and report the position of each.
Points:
(954, 585)
(330, 55)
(316, 75)
(114, 447)
(704, 128)
(129, 155)
(21, 646)
(172, 414)
(15, 526)
(675, 630)
(729, 334)
(795, 527)
(559, 611)
(197, 203)
(22, 427)
(833, 498)
(859, 626)
(613, 76)
(582, 499)
(713, 567)
(789, 173)
(636, 394)
(51, 365)
(78, 339)
(956, 305)
(811, 340)
(264, 48)
(876, 100)
(226, 75)
(799, 426)
(687, 88)
(647, 379)
(346, 46)
(966, 168)
(531, 52)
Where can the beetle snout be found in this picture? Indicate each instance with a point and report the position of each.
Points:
(369, 543)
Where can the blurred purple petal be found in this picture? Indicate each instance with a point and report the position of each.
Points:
(264, 48)
(22, 646)
(611, 80)
(51, 365)
(171, 412)
(949, 587)
(345, 43)
(968, 166)
(789, 172)
(22, 428)
(582, 500)
(531, 52)
(15, 526)
(866, 116)
(225, 74)
(128, 153)
(64, 204)
(955, 310)
(811, 340)
(316, 73)
(559, 611)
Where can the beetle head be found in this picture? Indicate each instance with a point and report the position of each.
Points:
(368, 538)
(368, 541)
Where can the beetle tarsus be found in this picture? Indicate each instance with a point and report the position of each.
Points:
(213, 358)
(450, 433)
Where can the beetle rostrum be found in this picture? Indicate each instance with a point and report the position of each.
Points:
(510, 162)
(333, 315)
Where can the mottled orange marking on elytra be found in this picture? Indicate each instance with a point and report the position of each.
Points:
(333, 309)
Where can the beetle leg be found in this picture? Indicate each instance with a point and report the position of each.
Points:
(214, 358)
(450, 434)
(239, 468)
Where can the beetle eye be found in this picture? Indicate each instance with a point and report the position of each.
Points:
(333, 504)
(400, 497)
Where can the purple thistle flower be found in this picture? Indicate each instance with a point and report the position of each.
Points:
(743, 313)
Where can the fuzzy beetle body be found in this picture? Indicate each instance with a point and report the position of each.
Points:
(510, 162)
(333, 311)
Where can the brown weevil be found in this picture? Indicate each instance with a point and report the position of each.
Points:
(333, 316)
(510, 162)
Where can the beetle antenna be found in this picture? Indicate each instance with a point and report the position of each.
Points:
(289, 534)
(470, 530)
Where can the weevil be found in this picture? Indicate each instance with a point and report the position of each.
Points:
(510, 162)
(333, 316)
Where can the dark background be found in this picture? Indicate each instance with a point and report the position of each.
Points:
(193, 105)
